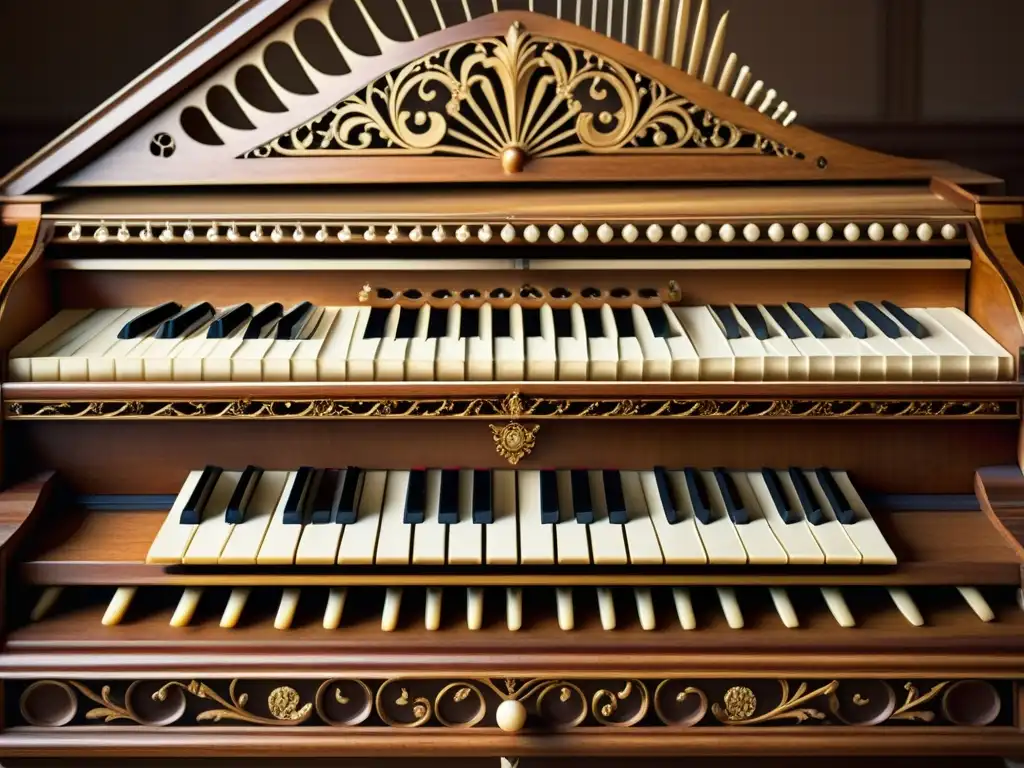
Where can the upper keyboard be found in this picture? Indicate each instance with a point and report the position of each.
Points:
(861, 341)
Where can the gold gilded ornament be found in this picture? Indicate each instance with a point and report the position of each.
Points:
(740, 703)
(283, 703)
(514, 441)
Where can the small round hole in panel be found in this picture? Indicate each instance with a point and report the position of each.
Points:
(648, 293)
(560, 293)
(470, 293)
(620, 293)
(501, 293)
(413, 294)
(385, 293)
(591, 293)
(442, 293)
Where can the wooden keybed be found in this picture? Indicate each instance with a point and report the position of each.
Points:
(135, 208)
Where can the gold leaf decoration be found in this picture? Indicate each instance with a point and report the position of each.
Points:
(740, 705)
(462, 694)
(514, 441)
(910, 711)
(110, 710)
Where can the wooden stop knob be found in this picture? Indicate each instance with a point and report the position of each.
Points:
(511, 716)
(513, 160)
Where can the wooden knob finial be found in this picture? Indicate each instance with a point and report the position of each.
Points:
(513, 160)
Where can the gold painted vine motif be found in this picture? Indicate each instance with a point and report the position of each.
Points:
(512, 704)
(524, 93)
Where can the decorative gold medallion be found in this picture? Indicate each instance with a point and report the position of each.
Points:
(283, 703)
(740, 703)
(513, 441)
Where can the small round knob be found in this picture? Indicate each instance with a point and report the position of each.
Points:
(511, 716)
(513, 160)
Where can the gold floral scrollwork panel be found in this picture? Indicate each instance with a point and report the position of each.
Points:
(524, 93)
(546, 704)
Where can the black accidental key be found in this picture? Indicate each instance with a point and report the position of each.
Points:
(375, 323)
(242, 495)
(658, 321)
(548, 497)
(185, 322)
(483, 509)
(563, 323)
(347, 509)
(755, 320)
(668, 502)
(778, 495)
(835, 497)
(613, 497)
(416, 497)
(810, 320)
(624, 322)
(849, 318)
(786, 322)
(448, 511)
(809, 504)
(698, 495)
(912, 325)
(469, 323)
(193, 511)
(322, 509)
(406, 323)
(531, 323)
(437, 323)
(882, 321)
(593, 324)
(148, 320)
(733, 503)
(582, 505)
(295, 504)
(262, 320)
(501, 323)
(291, 324)
(730, 324)
(229, 321)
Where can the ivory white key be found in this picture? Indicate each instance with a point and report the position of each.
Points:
(686, 363)
(118, 606)
(465, 538)
(730, 607)
(209, 361)
(332, 356)
(430, 538)
(721, 542)
(854, 355)
(40, 342)
(572, 542)
(937, 357)
(502, 539)
(450, 362)
(509, 351)
(829, 533)
(837, 607)
(46, 362)
(782, 361)
(184, 361)
(717, 361)
(156, 355)
(474, 608)
(573, 357)
(657, 360)
(281, 541)
(541, 357)
(641, 538)
(819, 361)
(607, 539)
(899, 361)
(77, 365)
(481, 350)
(394, 542)
(864, 531)
(843, 354)
(318, 544)
(304, 365)
(394, 346)
(563, 606)
(392, 607)
(756, 534)
(536, 540)
(236, 355)
(359, 540)
(173, 538)
(186, 608)
(606, 608)
(784, 607)
(419, 361)
(752, 357)
(432, 609)
(987, 361)
(286, 608)
(235, 605)
(514, 608)
(631, 356)
(604, 349)
(680, 543)
(795, 537)
(905, 603)
(246, 538)
(684, 607)
(213, 531)
(644, 608)
(977, 603)
(362, 351)
(278, 362)
(335, 607)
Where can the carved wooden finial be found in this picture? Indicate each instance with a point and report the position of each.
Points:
(513, 160)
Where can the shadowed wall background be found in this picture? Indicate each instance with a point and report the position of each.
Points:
(926, 78)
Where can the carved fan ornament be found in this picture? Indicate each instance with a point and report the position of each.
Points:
(523, 96)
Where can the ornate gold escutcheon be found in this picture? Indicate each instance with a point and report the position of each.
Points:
(514, 441)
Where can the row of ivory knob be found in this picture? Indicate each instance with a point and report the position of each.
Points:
(532, 233)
